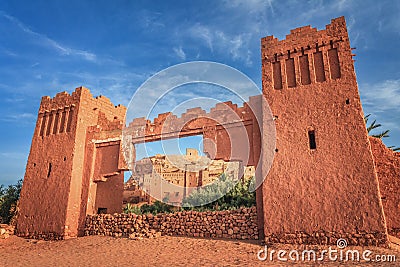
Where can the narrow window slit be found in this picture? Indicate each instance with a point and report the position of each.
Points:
(311, 139)
(49, 171)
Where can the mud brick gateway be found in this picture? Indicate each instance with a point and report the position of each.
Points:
(323, 183)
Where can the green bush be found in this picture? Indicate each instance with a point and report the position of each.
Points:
(156, 207)
(8, 201)
(229, 194)
(132, 209)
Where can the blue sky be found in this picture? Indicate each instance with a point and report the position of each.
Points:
(112, 47)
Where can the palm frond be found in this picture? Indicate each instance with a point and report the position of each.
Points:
(366, 118)
(382, 134)
(373, 125)
(394, 148)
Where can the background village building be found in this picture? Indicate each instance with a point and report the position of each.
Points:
(198, 171)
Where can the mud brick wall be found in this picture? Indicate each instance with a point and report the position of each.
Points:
(58, 188)
(323, 176)
(387, 164)
(234, 224)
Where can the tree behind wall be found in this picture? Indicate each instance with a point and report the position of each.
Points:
(8, 201)
(380, 135)
(225, 193)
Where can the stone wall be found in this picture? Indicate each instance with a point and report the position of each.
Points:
(6, 230)
(235, 224)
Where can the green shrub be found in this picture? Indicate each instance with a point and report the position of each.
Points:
(8, 201)
(225, 193)
(156, 207)
(132, 209)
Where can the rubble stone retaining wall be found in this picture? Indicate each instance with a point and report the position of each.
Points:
(234, 224)
(6, 230)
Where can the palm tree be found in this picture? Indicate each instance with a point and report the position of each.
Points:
(381, 135)
(373, 126)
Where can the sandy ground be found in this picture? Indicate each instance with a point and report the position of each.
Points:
(163, 251)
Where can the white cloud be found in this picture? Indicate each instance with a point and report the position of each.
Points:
(13, 155)
(179, 52)
(236, 46)
(118, 86)
(382, 101)
(50, 43)
(382, 96)
(190, 81)
(8, 53)
(203, 33)
(237, 36)
(151, 20)
(19, 117)
(341, 4)
(253, 6)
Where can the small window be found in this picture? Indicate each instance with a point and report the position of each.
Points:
(102, 211)
(49, 171)
(311, 139)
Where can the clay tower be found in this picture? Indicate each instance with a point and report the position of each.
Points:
(322, 184)
(61, 184)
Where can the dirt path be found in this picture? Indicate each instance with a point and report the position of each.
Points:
(163, 251)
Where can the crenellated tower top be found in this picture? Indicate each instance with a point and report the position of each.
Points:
(306, 56)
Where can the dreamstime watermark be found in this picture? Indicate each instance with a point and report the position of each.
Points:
(195, 94)
(339, 253)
